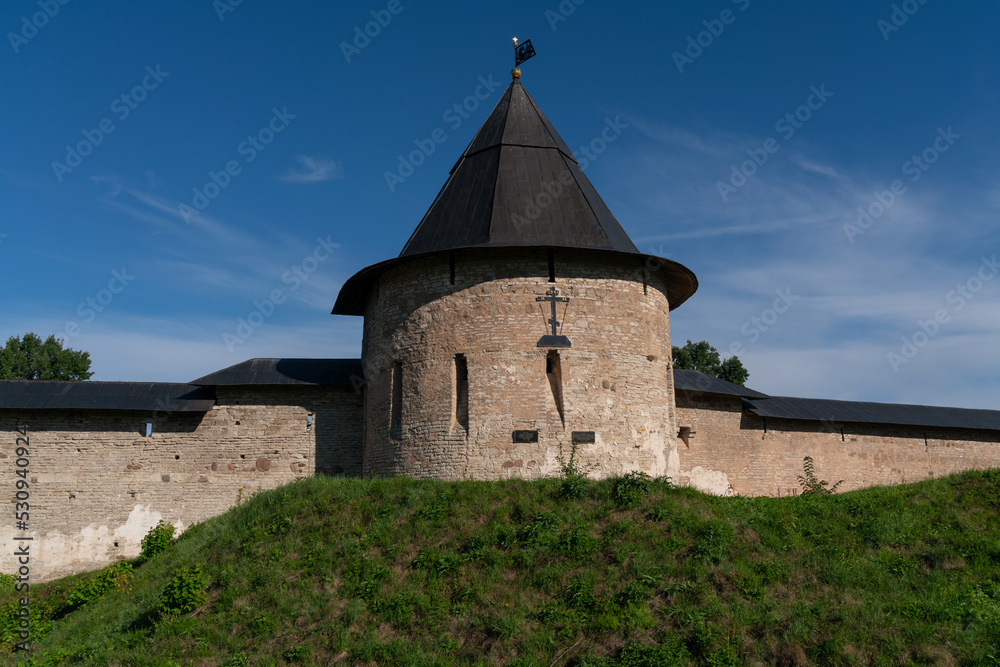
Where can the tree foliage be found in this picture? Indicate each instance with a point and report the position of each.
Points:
(703, 357)
(29, 358)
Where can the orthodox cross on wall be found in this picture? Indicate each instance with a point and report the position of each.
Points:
(553, 339)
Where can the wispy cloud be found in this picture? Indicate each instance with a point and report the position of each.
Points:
(853, 302)
(221, 231)
(808, 165)
(252, 266)
(314, 170)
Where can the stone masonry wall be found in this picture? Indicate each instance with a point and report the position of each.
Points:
(97, 484)
(735, 452)
(615, 380)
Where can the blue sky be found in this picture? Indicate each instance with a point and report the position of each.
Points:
(169, 171)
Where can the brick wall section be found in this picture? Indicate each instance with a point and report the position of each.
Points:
(731, 452)
(97, 485)
(616, 380)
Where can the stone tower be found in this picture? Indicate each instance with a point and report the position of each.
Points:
(469, 375)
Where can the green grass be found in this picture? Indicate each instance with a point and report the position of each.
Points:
(634, 572)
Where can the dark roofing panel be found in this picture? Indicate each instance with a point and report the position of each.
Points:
(327, 372)
(524, 126)
(91, 395)
(504, 170)
(816, 409)
(687, 380)
(491, 133)
(526, 212)
(609, 224)
(560, 144)
(461, 213)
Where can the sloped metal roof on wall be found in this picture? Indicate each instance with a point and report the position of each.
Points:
(816, 409)
(327, 372)
(847, 412)
(87, 395)
(687, 380)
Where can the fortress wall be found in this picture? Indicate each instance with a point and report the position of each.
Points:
(615, 380)
(97, 485)
(731, 452)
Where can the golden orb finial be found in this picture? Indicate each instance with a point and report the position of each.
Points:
(515, 73)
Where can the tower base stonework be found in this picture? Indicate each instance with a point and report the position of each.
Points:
(613, 388)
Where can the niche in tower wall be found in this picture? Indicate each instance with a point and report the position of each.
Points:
(396, 401)
(553, 370)
(461, 392)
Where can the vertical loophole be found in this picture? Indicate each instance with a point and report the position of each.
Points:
(553, 369)
(462, 391)
(552, 266)
(396, 406)
(451, 267)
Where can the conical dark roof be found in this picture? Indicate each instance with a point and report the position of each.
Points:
(517, 185)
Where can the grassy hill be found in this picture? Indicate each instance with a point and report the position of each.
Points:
(630, 572)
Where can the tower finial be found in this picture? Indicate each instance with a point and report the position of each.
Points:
(521, 53)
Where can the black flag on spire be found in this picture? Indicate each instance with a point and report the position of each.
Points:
(522, 51)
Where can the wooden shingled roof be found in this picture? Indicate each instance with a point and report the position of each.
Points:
(500, 195)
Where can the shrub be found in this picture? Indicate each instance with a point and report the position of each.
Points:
(574, 477)
(185, 591)
(812, 486)
(157, 539)
(117, 576)
(573, 488)
(628, 490)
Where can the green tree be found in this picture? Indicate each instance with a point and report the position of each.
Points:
(29, 358)
(703, 357)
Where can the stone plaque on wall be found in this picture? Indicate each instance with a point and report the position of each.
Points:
(524, 436)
